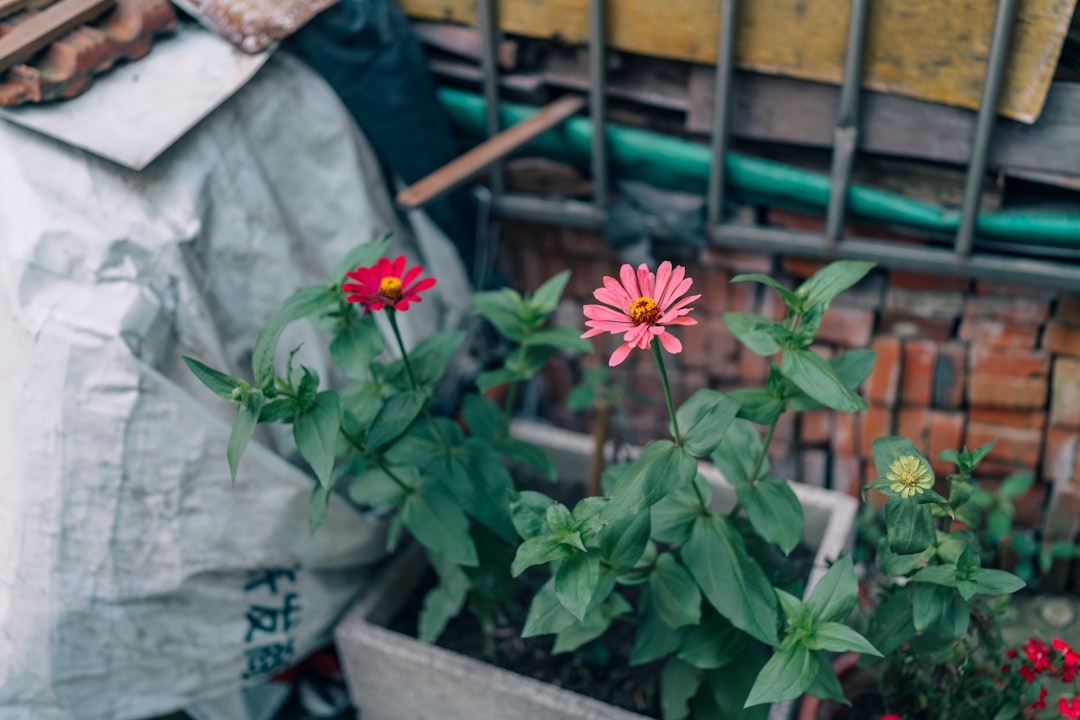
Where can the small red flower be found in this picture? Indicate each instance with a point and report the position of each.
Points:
(386, 284)
(891, 717)
(1038, 653)
(1011, 653)
(1071, 656)
(1027, 673)
(1069, 708)
(1041, 702)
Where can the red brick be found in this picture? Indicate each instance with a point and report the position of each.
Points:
(1067, 312)
(784, 435)
(913, 280)
(813, 467)
(848, 327)
(1003, 391)
(771, 305)
(691, 381)
(742, 297)
(946, 433)
(801, 268)
(919, 361)
(1023, 310)
(924, 304)
(1060, 339)
(736, 260)
(881, 386)
(1027, 419)
(1019, 447)
(950, 375)
(753, 368)
(939, 330)
(1065, 394)
(1012, 362)
(845, 439)
(815, 428)
(584, 243)
(914, 424)
(714, 290)
(874, 423)
(990, 287)
(869, 474)
(1060, 455)
(998, 333)
(847, 475)
(695, 343)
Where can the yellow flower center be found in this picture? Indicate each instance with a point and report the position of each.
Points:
(909, 476)
(390, 288)
(644, 311)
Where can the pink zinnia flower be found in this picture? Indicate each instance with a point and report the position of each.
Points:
(643, 305)
(383, 284)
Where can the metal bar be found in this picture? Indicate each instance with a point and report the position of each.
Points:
(846, 133)
(598, 102)
(984, 125)
(725, 66)
(489, 32)
(488, 153)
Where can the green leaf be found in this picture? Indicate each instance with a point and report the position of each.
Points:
(892, 624)
(483, 416)
(752, 330)
(243, 427)
(504, 309)
(677, 597)
(319, 508)
(757, 405)
(443, 602)
(216, 381)
(395, 417)
(703, 420)
(654, 638)
(594, 625)
(476, 476)
(715, 643)
(815, 376)
(546, 614)
(1016, 485)
(309, 388)
(731, 685)
(910, 526)
(673, 517)
(376, 488)
(363, 255)
(679, 683)
(996, 582)
(576, 582)
(836, 594)
(789, 673)
(539, 550)
(733, 582)
(431, 355)
(831, 280)
(774, 510)
(528, 511)
(315, 432)
(826, 685)
(790, 298)
(546, 298)
(355, 346)
(836, 637)
(560, 337)
(439, 524)
(280, 408)
(738, 452)
(661, 468)
(939, 611)
(852, 367)
(525, 453)
(623, 542)
(304, 302)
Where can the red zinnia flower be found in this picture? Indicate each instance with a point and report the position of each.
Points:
(1069, 708)
(1041, 702)
(384, 285)
(643, 305)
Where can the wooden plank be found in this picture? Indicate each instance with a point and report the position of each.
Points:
(929, 49)
(55, 21)
(490, 151)
(7, 7)
(462, 41)
(777, 109)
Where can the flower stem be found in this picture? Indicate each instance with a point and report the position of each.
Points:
(391, 315)
(667, 390)
(378, 461)
(764, 450)
(508, 406)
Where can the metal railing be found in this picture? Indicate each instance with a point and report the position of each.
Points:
(963, 258)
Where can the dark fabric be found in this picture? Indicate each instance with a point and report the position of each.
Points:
(368, 53)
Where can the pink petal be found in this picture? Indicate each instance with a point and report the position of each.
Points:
(629, 281)
(680, 321)
(383, 268)
(411, 275)
(670, 343)
(645, 280)
(603, 312)
(593, 332)
(670, 293)
(619, 355)
(608, 326)
(420, 286)
(399, 265)
(606, 296)
(678, 291)
(616, 288)
(663, 274)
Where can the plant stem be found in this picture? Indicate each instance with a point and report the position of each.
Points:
(508, 406)
(667, 390)
(391, 315)
(758, 462)
(378, 461)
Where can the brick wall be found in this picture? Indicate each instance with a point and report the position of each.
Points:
(959, 362)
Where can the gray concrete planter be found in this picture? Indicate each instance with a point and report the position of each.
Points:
(396, 677)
